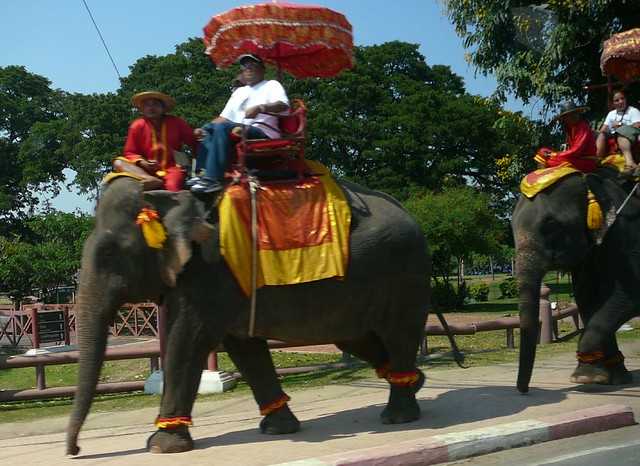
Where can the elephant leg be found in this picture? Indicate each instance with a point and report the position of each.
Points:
(187, 350)
(404, 378)
(599, 359)
(614, 363)
(252, 357)
(370, 349)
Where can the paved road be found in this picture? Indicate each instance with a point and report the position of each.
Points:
(336, 418)
(620, 447)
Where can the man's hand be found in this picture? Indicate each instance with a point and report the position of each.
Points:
(151, 182)
(252, 112)
(199, 134)
(150, 166)
(545, 151)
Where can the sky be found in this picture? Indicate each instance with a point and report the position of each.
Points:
(57, 39)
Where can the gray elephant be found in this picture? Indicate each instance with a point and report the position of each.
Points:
(377, 312)
(551, 232)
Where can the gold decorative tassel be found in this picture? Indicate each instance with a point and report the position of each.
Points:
(153, 231)
(594, 212)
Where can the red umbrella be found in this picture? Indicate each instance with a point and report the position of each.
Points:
(621, 55)
(304, 40)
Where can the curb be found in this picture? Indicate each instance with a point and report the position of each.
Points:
(460, 445)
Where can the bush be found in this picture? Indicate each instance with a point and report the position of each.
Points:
(509, 288)
(445, 296)
(479, 292)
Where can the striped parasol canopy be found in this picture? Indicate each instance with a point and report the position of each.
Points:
(621, 55)
(303, 40)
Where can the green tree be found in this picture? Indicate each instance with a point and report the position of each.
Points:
(457, 222)
(46, 256)
(549, 48)
(396, 124)
(393, 122)
(26, 102)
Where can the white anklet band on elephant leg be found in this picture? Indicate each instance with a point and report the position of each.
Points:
(172, 422)
(275, 405)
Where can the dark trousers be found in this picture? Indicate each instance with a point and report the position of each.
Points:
(213, 153)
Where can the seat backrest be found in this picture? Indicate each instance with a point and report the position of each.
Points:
(294, 124)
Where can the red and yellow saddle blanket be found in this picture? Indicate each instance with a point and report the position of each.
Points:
(539, 180)
(302, 235)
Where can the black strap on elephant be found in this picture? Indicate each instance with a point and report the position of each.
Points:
(458, 356)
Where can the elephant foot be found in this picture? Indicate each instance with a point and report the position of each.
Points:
(174, 440)
(590, 374)
(402, 406)
(279, 422)
(619, 375)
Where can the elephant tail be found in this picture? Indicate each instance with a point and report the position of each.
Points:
(457, 354)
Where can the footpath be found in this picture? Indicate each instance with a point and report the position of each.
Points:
(464, 412)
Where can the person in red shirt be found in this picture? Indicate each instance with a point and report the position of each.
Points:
(152, 141)
(581, 142)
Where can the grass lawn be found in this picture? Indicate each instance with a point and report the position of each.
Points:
(560, 285)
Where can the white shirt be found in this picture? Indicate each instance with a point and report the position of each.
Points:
(630, 116)
(265, 92)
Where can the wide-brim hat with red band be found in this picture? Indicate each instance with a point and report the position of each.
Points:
(140, 97)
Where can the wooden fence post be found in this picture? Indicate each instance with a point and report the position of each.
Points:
(67, 330)
(212, 361)
(35, 330)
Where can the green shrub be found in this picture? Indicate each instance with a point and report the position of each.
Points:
(479, 292)
(445, 297)
(509, 288)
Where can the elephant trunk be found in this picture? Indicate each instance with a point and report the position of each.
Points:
(95, 310)
(529, 273)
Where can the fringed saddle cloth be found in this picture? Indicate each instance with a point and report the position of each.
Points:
(302, 230)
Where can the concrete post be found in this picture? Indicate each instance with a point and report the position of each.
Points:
(510, 339)
(546, 331)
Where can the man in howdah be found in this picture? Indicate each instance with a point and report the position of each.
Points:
(152, 143)
(254, 105)
(581, 143)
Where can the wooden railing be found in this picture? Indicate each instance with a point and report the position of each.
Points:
(154, 350)
(35, 324)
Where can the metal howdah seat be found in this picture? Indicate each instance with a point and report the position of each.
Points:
(281, 158)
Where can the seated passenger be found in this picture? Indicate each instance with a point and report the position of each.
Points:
(622, 123)
(152, 141)
(581, 143)
(252, 105)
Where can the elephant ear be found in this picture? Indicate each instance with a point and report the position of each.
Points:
(183, 217)
(610, 194)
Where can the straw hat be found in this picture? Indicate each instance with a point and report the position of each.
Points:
(569, 107)
(140, 97)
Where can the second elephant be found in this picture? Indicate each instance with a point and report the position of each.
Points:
(551, 233)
